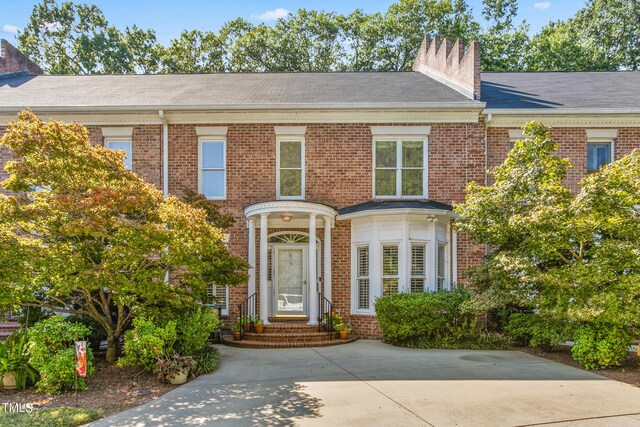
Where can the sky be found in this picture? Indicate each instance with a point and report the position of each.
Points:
(170, 17)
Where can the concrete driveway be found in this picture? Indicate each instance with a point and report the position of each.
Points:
(369, 383)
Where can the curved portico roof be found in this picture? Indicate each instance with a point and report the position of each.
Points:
(298, 209)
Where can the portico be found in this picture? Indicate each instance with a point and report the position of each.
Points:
(293, 265)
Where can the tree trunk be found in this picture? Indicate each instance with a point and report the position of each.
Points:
(112, 348)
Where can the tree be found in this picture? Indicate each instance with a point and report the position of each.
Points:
(82, 235)
(194, 52)
(573, 258)
(74, 38)
(503, 44)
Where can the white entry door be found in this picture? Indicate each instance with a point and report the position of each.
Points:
(291, 280)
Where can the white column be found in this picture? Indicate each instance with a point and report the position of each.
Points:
(264, 290)
(252, 261)
(312, 276)
(327, 258)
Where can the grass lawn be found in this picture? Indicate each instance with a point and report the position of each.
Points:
(51, 417)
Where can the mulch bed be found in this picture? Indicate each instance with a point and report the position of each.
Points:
(110, 388)
(629, 373)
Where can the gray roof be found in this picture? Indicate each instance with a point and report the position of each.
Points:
(247, 90)
(584, 90)
(395, 204)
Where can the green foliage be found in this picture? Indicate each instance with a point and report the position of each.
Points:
(532, 329)
(169, 366)
(58, 374)
(146, 342)
(92, 242)
(194, 328)
(50, 417)
(52, 353)
(572, 256)
(600, 346)
(429, 316)
(14, 358)
(206, 361)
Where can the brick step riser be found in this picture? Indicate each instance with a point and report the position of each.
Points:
(288, 319)
(287, 337)
(276, 345)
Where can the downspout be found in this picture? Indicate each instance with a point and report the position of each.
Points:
(165, 154)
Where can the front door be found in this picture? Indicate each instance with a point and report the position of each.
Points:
(291, 280)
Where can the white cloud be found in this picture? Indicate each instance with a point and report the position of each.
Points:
(272, 15)
(52, 26)
(542, 5)
(11, 29)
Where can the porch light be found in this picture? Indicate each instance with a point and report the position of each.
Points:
(286, 217)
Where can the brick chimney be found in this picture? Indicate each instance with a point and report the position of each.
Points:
(12, 60)
(451, 64)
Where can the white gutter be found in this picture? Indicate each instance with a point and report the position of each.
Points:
(558, 111)
(165, 154)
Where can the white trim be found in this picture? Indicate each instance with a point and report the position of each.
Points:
(276, 247)
(212, 131)
(601, 135)
(200, 170)
(516, 134)
(425, 168)
(290, 131)
(355, 115)
(563, 118)
(291, 206)
(288, 138)
(117, 132)
(401, 131)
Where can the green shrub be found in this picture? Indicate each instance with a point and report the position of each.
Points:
(426, 316)
(194, 328)
(535, 330)
(206, 361)
(52, 353)
(599, 346)
(14, 358)
(146, 342)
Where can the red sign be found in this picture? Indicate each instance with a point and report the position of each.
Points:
(81, 358)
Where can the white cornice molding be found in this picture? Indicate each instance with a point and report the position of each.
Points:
(117, 132)
(273, 116)
(212, 131)
(294, 131)
(417, 131)
(566, 120)
(290, 206)
(390, 213)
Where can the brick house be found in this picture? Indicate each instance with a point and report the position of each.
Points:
(342, 184)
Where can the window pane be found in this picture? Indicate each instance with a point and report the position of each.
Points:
(390, 260)
(597, 155)
(124, 146)
(363, 261)
(412, 182)
(363, 294)
(385, 182)
(290, 154)
(417, 260)
(291, 182)
(412, 154)
(389, 286)
(213, 183)
(417, 285)
(386, 154)
(213, 155)
(440, 267)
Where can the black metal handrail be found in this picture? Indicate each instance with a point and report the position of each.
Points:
(247, 310)
(325, 314)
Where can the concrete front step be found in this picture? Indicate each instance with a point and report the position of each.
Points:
(290, 336)
(246, 343)
(290, 327)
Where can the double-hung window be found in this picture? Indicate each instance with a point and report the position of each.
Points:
(362, 278)
(390, 276)
(124, 146)
(599, 148)
(120, 139)
(213, 174)
(400, 161)
(290, 162)
(441, 265)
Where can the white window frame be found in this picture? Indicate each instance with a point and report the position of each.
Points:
(399, 168)
(601, 136)
(446, 282)
(224, 311)
(398, 263)
(109, 140)
(215, 139)
(303, 168)
(355, 303)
